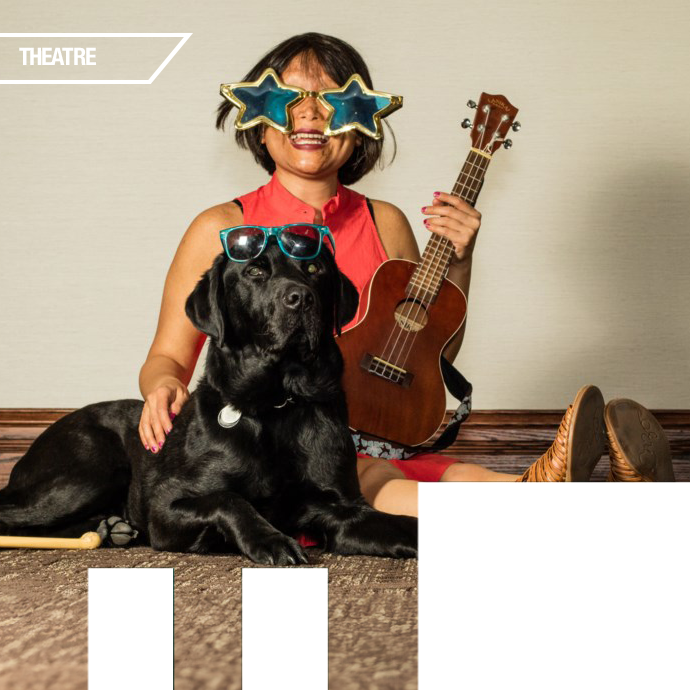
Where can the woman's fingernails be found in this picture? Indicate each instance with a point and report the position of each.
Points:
(146, 446)
(423, 209)
(154, 449)
(437, 193)
(172, 416)
(167, 431)
(161, 444)
(426, 222)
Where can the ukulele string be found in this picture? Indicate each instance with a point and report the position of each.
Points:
(435, 266)
(414, 300)
(441, 252)
(468, 193)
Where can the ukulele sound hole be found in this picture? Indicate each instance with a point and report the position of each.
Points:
(411, 315)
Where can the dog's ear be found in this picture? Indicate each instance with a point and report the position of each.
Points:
(346, 302)
(206, 306)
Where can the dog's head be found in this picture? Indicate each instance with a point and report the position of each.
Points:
(272, 302)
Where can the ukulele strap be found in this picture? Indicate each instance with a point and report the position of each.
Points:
(460, 388)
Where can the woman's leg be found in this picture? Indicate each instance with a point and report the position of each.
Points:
(466, 472)
(385, 487)
(578, 445)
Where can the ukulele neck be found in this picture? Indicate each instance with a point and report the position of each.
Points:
(428, 277)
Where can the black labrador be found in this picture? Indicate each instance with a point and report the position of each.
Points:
(259, 454)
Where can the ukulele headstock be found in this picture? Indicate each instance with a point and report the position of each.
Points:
(495, 116)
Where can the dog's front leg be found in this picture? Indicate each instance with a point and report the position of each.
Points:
(356, 528)
(222, 521)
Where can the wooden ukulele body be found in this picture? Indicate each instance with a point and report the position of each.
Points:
(410, 409)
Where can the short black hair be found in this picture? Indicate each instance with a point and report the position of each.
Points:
(340, 61)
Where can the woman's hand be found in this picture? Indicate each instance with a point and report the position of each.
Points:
(160, 407)
(455, 219)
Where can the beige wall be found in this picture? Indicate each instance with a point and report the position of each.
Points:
(581, 269)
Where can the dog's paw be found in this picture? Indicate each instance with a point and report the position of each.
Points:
(404, 551)
(116, 532)
(275, 549)
(400, 540)
(393, 549)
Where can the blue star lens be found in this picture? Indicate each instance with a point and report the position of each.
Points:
(266, 99)
(352, 106)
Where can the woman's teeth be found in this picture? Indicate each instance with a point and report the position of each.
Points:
(308, 138)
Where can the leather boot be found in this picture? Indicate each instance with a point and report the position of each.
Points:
(638, 448)
(578, 445)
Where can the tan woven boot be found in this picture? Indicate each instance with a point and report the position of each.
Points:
(578, 445)
(638, 448)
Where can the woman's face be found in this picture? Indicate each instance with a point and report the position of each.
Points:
(301, 154)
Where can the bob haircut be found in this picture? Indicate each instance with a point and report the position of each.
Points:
(339, 60)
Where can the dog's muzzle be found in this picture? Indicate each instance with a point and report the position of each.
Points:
(298, 298)
(301, 321)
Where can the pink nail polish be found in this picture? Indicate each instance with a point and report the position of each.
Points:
(145, 446)
(426, 222)
(423, 209)
(172, 416)
(154, 449)
(167, 431)
(161, 444)
(437, 193)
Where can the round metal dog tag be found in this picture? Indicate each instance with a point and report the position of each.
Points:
(229, 416)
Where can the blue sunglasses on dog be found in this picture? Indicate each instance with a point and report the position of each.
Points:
(297, 240)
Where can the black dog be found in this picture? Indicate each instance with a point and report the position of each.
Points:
(286, 468)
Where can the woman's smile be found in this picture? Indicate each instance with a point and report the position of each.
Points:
(307, 139)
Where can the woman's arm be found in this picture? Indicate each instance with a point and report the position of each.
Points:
(176, 346)
(451, 217)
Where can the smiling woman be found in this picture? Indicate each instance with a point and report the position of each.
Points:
(308, 113)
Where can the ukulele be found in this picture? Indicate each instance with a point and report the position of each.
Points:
(392, 378)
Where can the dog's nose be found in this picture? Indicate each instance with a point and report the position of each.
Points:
(298, 297)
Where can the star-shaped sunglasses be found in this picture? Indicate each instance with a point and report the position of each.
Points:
(269, 101)
(297, 240)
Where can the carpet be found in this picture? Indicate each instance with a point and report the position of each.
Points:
(43, 618)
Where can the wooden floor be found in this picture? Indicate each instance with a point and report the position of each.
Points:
(505, 440)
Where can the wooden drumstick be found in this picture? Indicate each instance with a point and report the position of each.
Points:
(90, 540)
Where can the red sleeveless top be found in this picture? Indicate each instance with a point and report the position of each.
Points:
(358, 253)
(358, 248)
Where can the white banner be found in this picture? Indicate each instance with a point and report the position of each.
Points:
(86, 58)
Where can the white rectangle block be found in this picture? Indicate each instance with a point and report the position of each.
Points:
(131, 628)
(545, 586)
(285, 628)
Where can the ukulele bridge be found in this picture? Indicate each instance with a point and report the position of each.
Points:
(386, 370)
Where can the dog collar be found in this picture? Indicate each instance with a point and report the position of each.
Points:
(230, 416)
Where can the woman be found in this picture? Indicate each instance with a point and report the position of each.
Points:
(309, 172)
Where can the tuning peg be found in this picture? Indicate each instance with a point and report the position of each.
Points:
(507, 144)
(471, 104)
(516, 126)
(466, 123)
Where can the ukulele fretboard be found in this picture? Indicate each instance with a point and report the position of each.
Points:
(429, 275)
